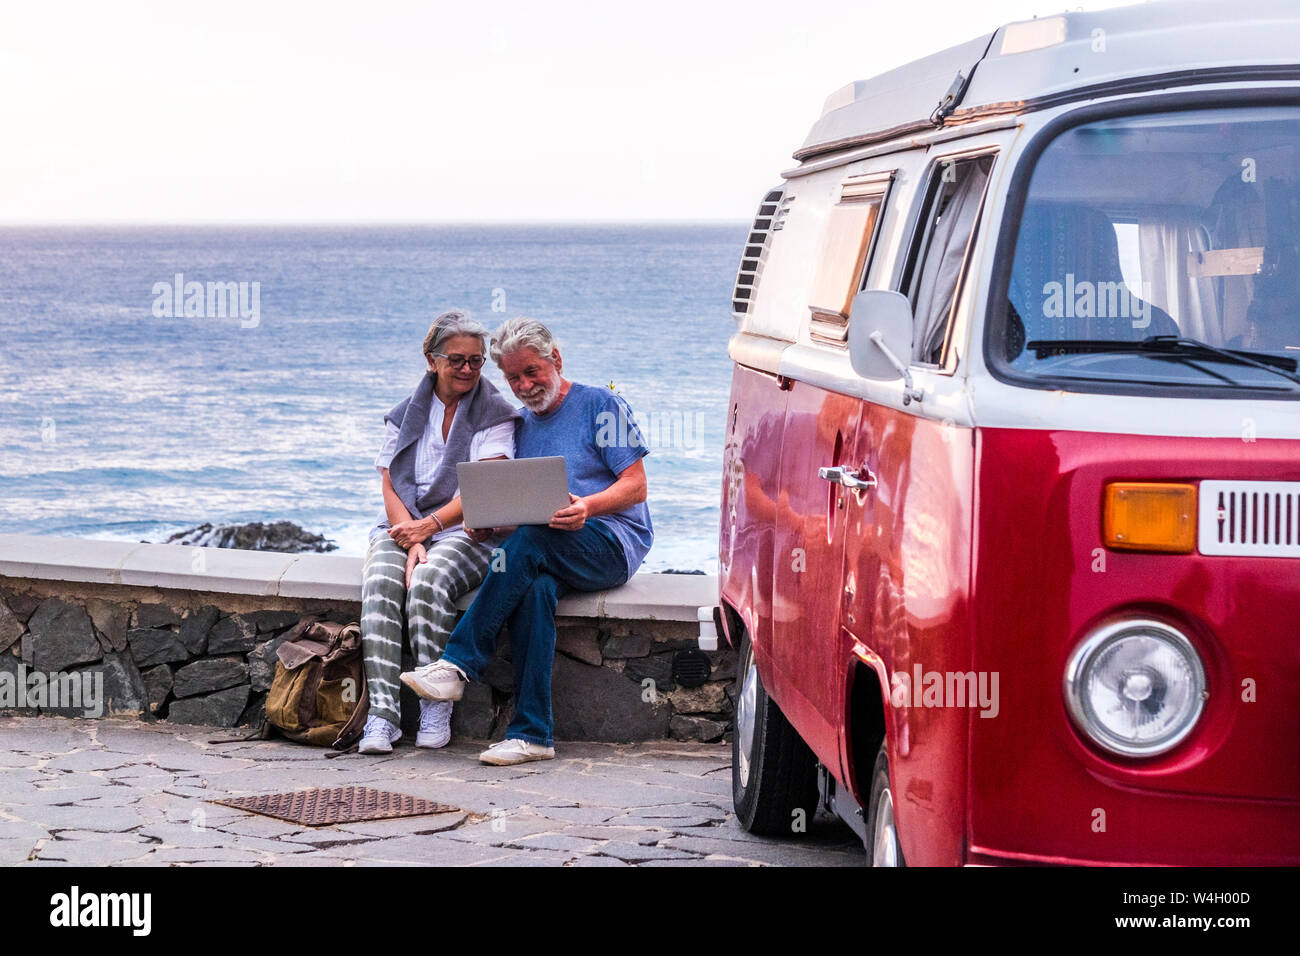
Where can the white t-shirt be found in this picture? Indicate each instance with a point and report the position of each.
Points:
(492, 442)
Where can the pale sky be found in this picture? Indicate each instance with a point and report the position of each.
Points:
(397, 111)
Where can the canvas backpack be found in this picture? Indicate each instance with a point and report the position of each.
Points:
(319, 695)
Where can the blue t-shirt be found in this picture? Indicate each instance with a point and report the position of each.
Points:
(594, 431)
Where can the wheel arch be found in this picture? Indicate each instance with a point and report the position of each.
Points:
(733, 625)
(865, 726)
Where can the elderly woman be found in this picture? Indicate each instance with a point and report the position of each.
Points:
(420, 560)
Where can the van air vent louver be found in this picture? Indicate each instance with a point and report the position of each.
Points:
(770, 218)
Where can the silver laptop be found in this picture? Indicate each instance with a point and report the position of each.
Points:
(509, 492)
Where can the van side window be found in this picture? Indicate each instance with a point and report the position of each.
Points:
(844, 256)
(940, 252)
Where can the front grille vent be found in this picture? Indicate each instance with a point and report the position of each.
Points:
(1260, 518)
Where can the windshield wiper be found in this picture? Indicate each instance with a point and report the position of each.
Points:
(1168, 345)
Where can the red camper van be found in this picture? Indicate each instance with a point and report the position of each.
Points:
(1010, 533)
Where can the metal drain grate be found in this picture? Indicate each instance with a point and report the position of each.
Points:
(322, 807)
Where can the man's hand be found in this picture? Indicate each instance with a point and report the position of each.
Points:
(478, 534)
(414, 531)
(571, 518)
(414, 556)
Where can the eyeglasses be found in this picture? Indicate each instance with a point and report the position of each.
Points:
(460, 361)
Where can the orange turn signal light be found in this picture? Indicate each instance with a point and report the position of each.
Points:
(1150, 516)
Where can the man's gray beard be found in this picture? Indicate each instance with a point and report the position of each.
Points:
(545, 402)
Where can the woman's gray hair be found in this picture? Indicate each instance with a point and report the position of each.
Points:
(450, 323)
(522, 333)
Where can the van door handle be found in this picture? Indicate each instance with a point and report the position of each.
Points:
(848, 477)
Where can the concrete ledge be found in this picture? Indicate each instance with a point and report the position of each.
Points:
(658, 597)
(328, 576)
(206, 569)
(62, 559)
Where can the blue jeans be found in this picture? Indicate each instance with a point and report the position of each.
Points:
(541, 565)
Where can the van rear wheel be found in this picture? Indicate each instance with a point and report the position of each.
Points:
(773, 773)
(882, 844)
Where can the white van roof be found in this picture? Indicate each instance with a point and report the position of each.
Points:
(1037, 63)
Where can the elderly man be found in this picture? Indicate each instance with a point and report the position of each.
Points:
(597, 542)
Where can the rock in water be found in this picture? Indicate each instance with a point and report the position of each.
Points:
(284, 536)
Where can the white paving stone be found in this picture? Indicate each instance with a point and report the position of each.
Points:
(602, 805)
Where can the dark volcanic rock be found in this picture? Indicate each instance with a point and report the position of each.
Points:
(254, 714)
(261, 663)
(156, 615)
(705, 699)
(580, 642)
(724, 664)
(9, 664)
(633, 645)
(283, 536)
(222, 709)
(696, 728)
(110, 620)
(204, 676)
(61, 635)
(272, 620)
(10, 627)
(232, 635)
(195, 628)
(157, 684)
(149, 647)
(474, 713)
(656, 667)
(597, 703)
(123, 689)
(23, 603)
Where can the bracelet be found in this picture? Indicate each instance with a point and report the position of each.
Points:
(441, 526)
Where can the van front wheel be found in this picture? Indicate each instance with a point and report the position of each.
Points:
(882, 844)
(773, 773)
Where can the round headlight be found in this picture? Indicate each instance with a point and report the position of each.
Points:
(1135, 687)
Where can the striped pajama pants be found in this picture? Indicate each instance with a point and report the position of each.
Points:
(455, 566)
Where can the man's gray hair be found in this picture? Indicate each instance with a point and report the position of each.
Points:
(450, 323)
(522, 333)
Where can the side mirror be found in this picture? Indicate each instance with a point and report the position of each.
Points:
(880, 338)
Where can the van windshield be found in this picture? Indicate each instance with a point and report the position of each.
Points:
(1180, 231)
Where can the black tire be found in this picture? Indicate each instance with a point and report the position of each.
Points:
(777, 775)
(882, 850)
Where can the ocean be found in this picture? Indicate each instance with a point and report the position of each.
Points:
(122, 417)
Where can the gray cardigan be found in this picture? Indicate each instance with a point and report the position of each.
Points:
(481, 408)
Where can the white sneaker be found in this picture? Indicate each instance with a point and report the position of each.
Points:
(379, 736)
(437, 681)
(508, 752)
(435, 724)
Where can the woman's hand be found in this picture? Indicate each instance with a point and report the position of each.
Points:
(413, 531)
(571, 518)
(478, 534)
(415, 555)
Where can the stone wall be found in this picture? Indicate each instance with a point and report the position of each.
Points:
(208, 658)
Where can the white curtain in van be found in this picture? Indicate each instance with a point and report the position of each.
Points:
(941, 268)
(1163, 248)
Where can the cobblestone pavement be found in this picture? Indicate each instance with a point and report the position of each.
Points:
(116, 792)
